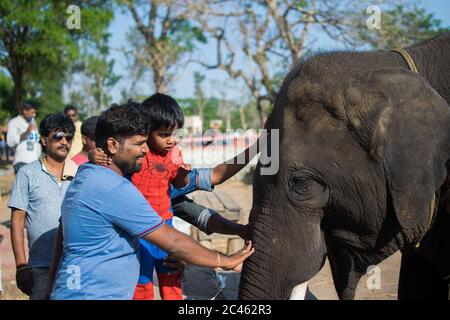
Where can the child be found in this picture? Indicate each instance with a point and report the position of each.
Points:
(88, 140)
(161, 167)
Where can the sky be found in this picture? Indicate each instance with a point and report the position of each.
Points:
(217, 82)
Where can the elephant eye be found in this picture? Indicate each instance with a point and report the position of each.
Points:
(307, 188)
(301, 185)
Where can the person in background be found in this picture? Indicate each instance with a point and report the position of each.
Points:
(88, 140)
(35, 203)
(22, 137)
(3, 151)
(72, 112)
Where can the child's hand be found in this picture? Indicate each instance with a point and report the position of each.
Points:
(98, 156)
(244, 231)
(184, 169)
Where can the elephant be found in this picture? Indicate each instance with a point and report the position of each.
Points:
(364, 149)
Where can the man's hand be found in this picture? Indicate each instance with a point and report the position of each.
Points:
(24, 279)
(98, 156)
(234, 262)
(177, 265)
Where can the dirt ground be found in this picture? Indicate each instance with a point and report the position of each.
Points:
(321, 286)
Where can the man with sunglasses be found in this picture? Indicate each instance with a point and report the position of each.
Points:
(35, 202)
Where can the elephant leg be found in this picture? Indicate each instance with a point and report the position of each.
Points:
(420, 280)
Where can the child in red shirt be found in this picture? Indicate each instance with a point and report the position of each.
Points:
(162, 166)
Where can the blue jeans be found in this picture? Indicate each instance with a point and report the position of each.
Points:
(151, 258)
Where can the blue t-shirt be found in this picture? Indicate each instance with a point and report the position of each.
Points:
(103, 215)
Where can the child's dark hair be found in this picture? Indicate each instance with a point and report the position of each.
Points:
(88, 127)
(56, 121)
(162, 111)
(120, 122)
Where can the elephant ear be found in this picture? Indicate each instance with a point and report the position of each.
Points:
(412, 138)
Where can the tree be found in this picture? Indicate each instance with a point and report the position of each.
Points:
(93, 79)
(34, 37)
(162, 37)
(199, 94)
(258, 41)
(6, 98)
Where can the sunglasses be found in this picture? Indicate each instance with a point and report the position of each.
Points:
(60, 135)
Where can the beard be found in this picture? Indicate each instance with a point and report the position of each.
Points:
(135, 168)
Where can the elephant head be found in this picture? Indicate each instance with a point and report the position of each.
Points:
(362, 150)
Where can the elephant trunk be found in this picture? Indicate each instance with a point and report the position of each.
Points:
(282, 260)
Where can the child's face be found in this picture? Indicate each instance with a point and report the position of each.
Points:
(163, 139)
(88, 143)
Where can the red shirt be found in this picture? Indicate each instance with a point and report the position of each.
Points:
(79, 159)
(155, 177)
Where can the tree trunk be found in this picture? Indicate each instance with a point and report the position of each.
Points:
(243, 119)
(261, 114)
(18, 87)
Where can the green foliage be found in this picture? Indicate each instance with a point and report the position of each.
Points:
(46, 91)
(210, 111)
(6, 98)
(36, 45)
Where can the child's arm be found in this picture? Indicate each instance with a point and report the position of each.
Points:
(218, 224)
(226, 170)
(182, 178)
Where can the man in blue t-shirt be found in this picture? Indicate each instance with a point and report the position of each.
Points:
(104, 215)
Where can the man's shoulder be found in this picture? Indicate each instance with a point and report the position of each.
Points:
(99, 177)
(14, 121)
(32, 168)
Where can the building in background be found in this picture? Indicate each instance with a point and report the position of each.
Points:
(193, 124)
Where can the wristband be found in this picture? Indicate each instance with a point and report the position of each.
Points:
(218, 260)
(22, 267)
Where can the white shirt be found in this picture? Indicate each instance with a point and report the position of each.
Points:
(16, 127)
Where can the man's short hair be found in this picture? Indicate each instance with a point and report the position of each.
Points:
(163, 112)
(56, 121)
(88, 127)
(120, 122)
(28, 106)
(70, 107)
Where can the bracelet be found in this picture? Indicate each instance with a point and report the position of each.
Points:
(218, 260)
(22, 267)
